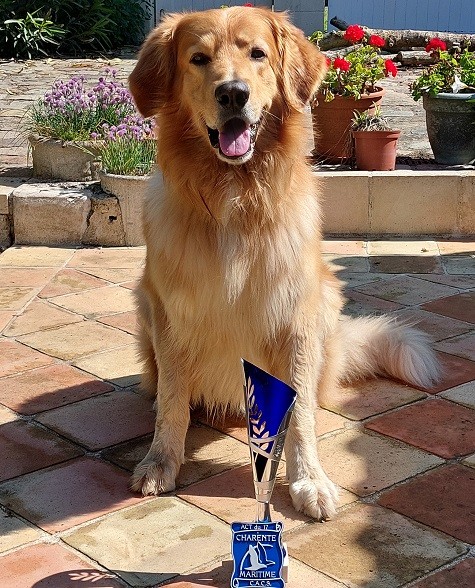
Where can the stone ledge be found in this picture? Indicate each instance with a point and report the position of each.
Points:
(403, 202)
(65, 214)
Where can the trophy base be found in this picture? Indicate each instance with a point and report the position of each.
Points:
(259, 556)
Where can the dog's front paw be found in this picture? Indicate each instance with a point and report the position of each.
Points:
(315, 497)
(152, 477)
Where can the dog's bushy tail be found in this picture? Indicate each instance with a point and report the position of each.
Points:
(382, 346)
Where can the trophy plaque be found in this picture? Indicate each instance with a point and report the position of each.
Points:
(259, 555)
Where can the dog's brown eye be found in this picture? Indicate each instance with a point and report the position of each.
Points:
(257, 54)
(199, 59)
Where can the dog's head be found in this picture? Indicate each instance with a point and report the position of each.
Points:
(230, 70)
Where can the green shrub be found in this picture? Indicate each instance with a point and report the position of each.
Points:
(30, 36)
(85, 25)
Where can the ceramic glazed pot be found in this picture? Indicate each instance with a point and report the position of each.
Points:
(58, 160)
(332, 124)
(376, 150)
(450, 120)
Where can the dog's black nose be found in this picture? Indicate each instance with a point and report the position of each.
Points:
(232, 95)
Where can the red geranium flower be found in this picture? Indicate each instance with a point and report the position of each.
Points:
(435, 44)
(341, 64)
(390, 68)
(354, 34)
(329, 61)
(376, 41)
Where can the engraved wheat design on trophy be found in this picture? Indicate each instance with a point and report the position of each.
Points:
(257, 427)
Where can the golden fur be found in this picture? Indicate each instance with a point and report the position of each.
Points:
(233, 264)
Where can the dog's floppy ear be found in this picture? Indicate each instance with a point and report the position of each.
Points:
(151, 80)
(303, 66)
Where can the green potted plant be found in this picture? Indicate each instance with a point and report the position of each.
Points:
(62, 122)
(127, 154)
(375, 141)
(351, 84)
(447, 88)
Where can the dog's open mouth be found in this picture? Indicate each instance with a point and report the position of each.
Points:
(235, 140)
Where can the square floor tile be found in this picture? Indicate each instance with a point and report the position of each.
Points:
(45, 388)
(26, 447)
(15, 298)
(463, 394)
(367, 398)
(104, 420)
(126, 321)
(115, 275)
(353, 263)
(459, 282)
(14, 532)
(33, 277)
(406, 290)
(218, 574)
(404, 264)
(5, 317)
(76, 340)
(361, 304)
(207, 453)
(462, 265)
(15, 357)
(110, 257)
(230, 496)
(437, 326)
(230, 424)
(462, 346)
(39, 316)
(154, 541)
(27, 256)
(95, 303)
(52, 566)
(365, 463)
(6, 415)
(460, 576)
(442, 499)
(455, 371)
(120, 366)
(68, 281)
(469, 461)
(354, 279)
(131, 285)
(66, 495)
(438, 426)
(460, 307)
(368, 546)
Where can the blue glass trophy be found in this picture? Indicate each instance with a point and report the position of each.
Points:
(259, 555)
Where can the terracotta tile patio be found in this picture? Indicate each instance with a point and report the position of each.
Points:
(73, 424)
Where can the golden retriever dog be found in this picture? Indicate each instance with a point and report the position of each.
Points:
(233, 228)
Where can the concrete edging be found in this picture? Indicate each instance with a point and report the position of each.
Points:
(408, 203)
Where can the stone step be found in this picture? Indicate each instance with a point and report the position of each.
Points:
(402, 202)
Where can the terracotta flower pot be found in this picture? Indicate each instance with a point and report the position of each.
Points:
(332, 123)
(58, 160)
(376, 150)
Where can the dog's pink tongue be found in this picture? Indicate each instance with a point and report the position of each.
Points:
(235, 138)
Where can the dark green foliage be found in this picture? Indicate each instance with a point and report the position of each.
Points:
(31, 28)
